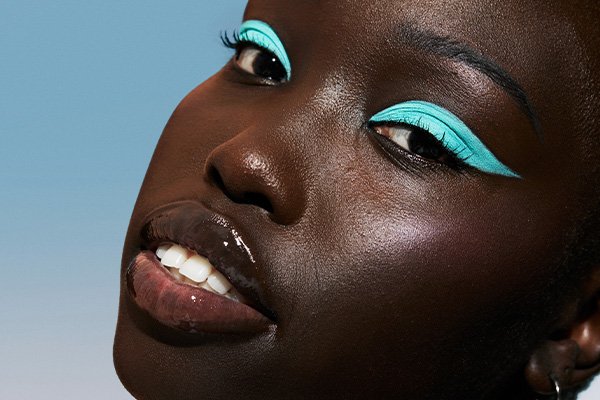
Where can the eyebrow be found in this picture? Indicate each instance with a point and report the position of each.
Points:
(455, 50)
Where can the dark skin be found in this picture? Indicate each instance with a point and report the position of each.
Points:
(388, 274)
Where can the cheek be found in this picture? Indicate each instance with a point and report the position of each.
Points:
(430, 274)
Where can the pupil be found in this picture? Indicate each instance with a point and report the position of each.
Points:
(268, 66)
(426, 145)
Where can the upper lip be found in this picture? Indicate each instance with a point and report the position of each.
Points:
(213, 236)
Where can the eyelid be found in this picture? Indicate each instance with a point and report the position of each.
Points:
(449, 130)
(261, 34)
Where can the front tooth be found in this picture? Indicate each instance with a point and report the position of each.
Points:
(162, 249)
(218, 282)
(205, 286)
(197, 268)
(175, 256)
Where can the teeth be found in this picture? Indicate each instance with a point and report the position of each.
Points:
(162, 249)
(187, 266)
(175, 256)
(218, 282)
(175, 272)
(205, 286)
(197, 268)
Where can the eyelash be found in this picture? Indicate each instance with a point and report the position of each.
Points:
(458, 161)
(455, 152)
(232, 42)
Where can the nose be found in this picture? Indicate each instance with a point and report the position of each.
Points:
(253, 170)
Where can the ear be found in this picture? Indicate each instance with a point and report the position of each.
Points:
(574, 358)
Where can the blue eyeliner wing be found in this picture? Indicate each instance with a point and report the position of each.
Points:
(263, 35)
(449, 130)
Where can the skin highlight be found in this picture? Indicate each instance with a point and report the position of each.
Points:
(389, 275)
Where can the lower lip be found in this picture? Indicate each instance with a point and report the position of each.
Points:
(185, 307)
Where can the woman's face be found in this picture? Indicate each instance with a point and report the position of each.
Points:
(375, 270)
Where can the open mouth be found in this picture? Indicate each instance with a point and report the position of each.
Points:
(195, 273)
(189, 267)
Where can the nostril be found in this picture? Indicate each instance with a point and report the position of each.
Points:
(257, 199)
(215, 176)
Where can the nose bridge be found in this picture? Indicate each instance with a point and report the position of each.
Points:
(310, 119)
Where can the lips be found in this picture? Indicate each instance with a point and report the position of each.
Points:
(188, 307)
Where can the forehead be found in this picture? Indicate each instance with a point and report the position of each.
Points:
(514, 33)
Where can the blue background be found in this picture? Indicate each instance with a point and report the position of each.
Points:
(86, 88)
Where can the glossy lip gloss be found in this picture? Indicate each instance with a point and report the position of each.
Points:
(190, 308)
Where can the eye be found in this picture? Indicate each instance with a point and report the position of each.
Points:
(434, 133)
(416, 140)
(260, 52)
(257, 61)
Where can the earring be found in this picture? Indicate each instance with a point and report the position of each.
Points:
(557, 388)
